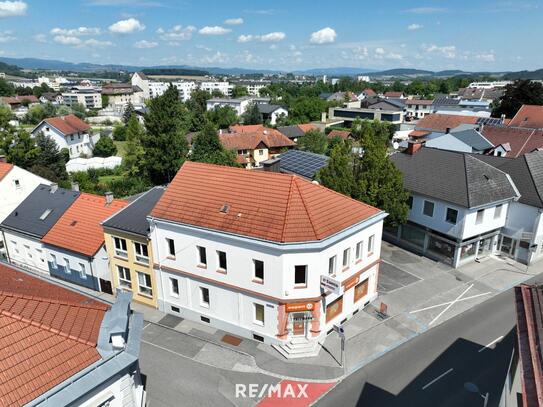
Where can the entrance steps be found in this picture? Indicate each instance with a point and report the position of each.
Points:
(298, 347)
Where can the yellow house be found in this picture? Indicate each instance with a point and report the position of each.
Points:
(130, 251)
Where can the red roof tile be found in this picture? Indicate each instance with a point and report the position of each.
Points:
(441, 122)
(79, 228)
(419, 133)
(520, 140)
(270, 206)
(250, 140)
(369, 92)
(47, 334)
(307, 127)
(68, 124)
(15, 100)
(4, 169)
(528, 116)
(393, 94)
(339, 133)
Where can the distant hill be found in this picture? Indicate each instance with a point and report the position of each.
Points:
(403, 72)
(537, 75)
(174, 71)
(339, 71)
(12, 70)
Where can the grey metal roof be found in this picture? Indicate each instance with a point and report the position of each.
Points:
(133, 218)
(473, 138)
(291, 132)
(303, 163)
(445, 101)
(526, 172)
(26, 217)
(459, 178)
(267, 108)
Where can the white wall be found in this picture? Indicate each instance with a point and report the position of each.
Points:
(77, 143)
(24, 250)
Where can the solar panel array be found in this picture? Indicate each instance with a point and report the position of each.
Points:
(492, 121)
(302, 163)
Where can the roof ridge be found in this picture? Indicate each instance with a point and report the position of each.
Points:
(526, 142)
(287, 209)
(306, 208)
(46, 327)
(464, 156)
(525, 158)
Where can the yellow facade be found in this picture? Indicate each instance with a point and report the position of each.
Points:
(129, 261)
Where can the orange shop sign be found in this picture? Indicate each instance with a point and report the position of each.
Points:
(347, 284)
(299, 306)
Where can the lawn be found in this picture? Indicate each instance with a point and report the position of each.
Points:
(121, 148)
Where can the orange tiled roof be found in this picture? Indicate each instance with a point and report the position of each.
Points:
(528, 116)
(250, 140)
(4, 169)
(441, 122)
(250, 128)
(520, 140)
(369, 92)
(339, 133)
(307, 127)
(79, 229)
(270, 206)
(419, 133)
(69, 124)
(47, 334)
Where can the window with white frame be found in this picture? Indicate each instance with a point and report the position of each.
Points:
(82, 271)
(428, 208)
(67, 266)
(358, 250)
(15, 247)
(259, 314)
(144, 284)
(371, 244)
(221, 256)
(120, 247)
(258, 271)
(142, 253)
(346, 257)
(204, 297)
(17, 183)
(28, 252)
(174, 287)
(171, 247)
(125, 280)
(498, 211)
(53, 261)
(480, 216)
(202, 256)
(332, 265)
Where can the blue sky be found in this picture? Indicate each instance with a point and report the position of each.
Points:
(295, 34)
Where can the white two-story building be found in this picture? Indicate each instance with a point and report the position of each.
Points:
(266, 256)
(458, 204)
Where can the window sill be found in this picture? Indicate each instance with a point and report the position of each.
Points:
(297, 286)
(358, 261)
(258, 323)
(344, 269)
(202, 266)
(142, 263)
(257, 281)
(222, 271)
(150, 296)
(206, 306)
(170, 257)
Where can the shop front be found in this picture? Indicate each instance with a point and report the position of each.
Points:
(302, 319)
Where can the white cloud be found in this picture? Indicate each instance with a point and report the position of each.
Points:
(234, 21)
(270, 37)
(486, 56)
(426, 10)
(76, 31)
(325, 36)
(380, 51)
(214, 30)
(93, 43)
(448, 51)
(218, 57)
(12, 8)
(40, 38)
(128, 26)
(414, 27)
(144, 44)
(67, 40)
(176, 34)
(7, 36)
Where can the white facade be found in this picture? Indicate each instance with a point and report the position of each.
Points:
(124, 391)
(224, 87)
(85, 164)
(235, 299)
(77, 144)
(418, 111)
(276, 114)
(522, 237)
(26, 251)
(91, 100)
(239, 105)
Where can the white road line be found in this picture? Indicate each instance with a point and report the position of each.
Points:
(447, 303)
(450, 305)
(437, 378)
(490, 344)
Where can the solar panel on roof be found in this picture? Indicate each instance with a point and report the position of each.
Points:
(489, 121)
(302, 163)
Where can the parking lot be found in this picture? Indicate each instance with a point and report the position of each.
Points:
(391, 278)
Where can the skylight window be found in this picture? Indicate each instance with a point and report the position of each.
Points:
(45, 214)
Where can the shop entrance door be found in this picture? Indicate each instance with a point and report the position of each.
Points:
(298, 324)
(485, 247)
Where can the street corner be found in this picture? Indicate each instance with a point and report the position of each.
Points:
(287, 393)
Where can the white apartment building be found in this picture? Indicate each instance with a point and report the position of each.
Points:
(224, 87)
(281, 263)
(90, 98)
(240, 105)
(152, 89)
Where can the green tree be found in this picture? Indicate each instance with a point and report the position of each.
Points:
(314, 141)
(239, 91)
(197, 106)
(23, 151)
(105, 100)
(119, 132)
(50, 163)
(165, 144)
(6, 88)
(521, 92)
(207, 148)
(305, 109)
(134, 152)
(338, 173)
(105, 147)
(252, 115)
(222, 116)
(128, 112)
(79, 110)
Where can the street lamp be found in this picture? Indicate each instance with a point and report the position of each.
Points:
(472, 388)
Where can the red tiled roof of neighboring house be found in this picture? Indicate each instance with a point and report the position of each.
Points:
(424, 102)
(441, 122)
(250, 140)
(79, 229)
(15, 100)
(4, 169)
(250, 128)
(528, 116)
(307, 127)
(369, 92)
(529, 309)
(393, 94)
(67, 125)
(47, 334)
(339, 133)
(119, 89)
(419, 133)
(520, 140)
(264, 205)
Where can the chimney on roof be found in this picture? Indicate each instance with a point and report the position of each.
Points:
(413, 146)
(447, 130)
(503, 118)
(54, 188)
(109, 198)
(75, 186)
(3, 159)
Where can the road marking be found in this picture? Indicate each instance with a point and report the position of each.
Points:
(146, 326)
(447, 303)
(437, 378)
(490, 344)
(450, 305)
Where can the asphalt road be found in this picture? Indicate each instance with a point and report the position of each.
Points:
(431, 369)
